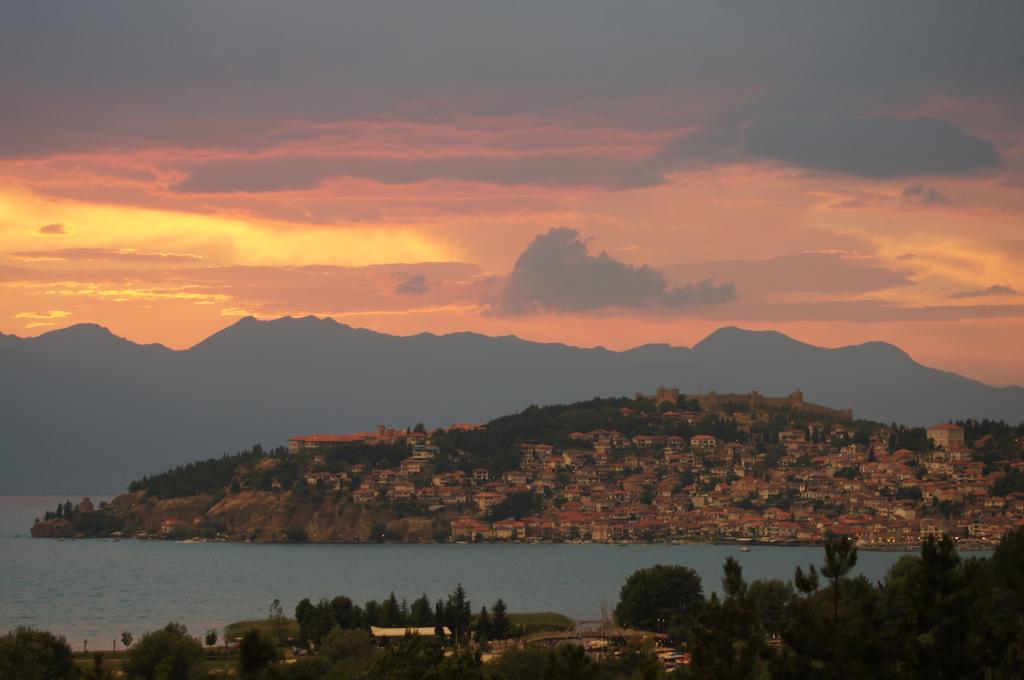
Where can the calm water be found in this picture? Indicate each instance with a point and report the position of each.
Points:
(95, 589)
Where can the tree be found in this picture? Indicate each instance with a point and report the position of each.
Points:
(167, 654)
(840, 557)
(517, 664)
(277, 621)
(458, 614)
(255, 653)
(570, 662)
(411, 658)
(372, 613)
(127, 639)
(346, 644)
(211, 637)
(420, 613)
(732, 580)
(275, 611)
(769, 599)
(29, 654)
(343, 612)
(501, 627)
(98, 672)
(439, 619)
(315, 620)
(483, 625)
(661, 596)
(806, 582)
(391, 612)
(462, 665)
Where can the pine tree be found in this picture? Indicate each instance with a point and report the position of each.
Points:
(840, 557)
(501, 627)
(458, 613)
(391, 612)
(439, 619)
(483, 626)
(420, 613)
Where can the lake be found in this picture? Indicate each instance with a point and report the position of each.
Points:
(94, 589)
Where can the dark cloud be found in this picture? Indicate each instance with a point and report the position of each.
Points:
(926, 195)
(283, 173)
(556, 274)
(112, 73)
(993, 290)
(415, 284)
(870, 146)
(53, 230)
(104, 255)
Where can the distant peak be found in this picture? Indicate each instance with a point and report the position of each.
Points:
(309, 321)
(731, 335)
(879, 347)
(82, 331)
(252, 329)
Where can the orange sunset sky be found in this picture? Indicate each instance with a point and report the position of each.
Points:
(582, 172)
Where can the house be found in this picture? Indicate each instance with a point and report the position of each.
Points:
(423, 452)
(316, 442)
(509, 530)
(487, 499)
(380, 633)
(412, 466)
(515, 478)
(703, 442)
(946, 436)
(467, 528)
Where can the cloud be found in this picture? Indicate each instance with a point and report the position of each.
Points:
(42, 319)
(926, 195)
(416, 284)
(857, 311)
(103, 255)
(993, 290)
(556, 274)
(43, 316)
(53, 230)
(269, 290)
(870, 146)
(303, 172)
(815, 273)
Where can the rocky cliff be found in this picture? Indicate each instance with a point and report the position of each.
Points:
(249, 515)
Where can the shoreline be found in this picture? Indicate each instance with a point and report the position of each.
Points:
(963, 547)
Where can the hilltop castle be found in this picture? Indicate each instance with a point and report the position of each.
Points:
(754, 400)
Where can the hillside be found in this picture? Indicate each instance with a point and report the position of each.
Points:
(660, 468)
(84, 410)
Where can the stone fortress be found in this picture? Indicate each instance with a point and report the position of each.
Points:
(754, 400)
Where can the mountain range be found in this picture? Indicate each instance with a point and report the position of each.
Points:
(83, 410)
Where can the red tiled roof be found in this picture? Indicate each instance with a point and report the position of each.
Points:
(332, 438)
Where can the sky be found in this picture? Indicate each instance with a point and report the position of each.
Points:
(586, 172)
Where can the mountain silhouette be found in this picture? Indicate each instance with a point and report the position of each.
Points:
(86, 411)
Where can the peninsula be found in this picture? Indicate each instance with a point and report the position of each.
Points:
(653, 468)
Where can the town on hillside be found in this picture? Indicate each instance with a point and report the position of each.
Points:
(654, 468)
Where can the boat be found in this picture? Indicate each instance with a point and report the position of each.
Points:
(744, 548)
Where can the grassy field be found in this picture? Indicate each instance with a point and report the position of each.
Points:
(239, 628)
(536, 622)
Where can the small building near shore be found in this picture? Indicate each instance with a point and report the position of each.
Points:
(382, 633)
